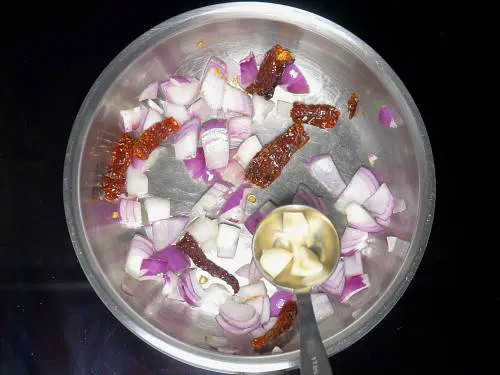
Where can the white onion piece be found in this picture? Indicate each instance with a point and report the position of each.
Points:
(137, 182)
(354, 285)
(200, 109)
(397, 246)
(334, 286)
(266, 310)
(212, 201)
(352, 240)
(361, 187)
(186, 140)
(131, 119)
(150, 91)
(236, 101)
(247, 150)
(325, 171)
(177, 111)
(322, 306)
(249, 291)
(140, 248)
(203, 229)
(171, 288)
(146, 165)
(130, 213)
(277, 349)
(283, 109)
(216, 295)
(153, 105)
(359, 218)
(353, 264)
(166, 232)
(227, 240)
(381, 203)
(214, 83)
(233, 173)
(157, 208)
(275, 260)
(399, 205)
(238, 128)
(257, 303)
(261, 107)
(215, 142)
(383, 222)
(149, 117)
(181, 90)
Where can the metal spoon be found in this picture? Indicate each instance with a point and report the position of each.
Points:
(313, 357)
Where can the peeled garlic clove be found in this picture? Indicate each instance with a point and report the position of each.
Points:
(306, 263)
(295, 224)
(275, 260)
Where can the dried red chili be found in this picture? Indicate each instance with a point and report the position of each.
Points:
(154, 136)
(121, 157)
(285, 320)
(190, 247)
(267, 164)
(321, 115)
(352, 104)
(269, 75)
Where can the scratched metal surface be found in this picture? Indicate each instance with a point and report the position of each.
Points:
(335, 64)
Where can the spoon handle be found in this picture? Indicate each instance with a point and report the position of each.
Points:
(313, 358)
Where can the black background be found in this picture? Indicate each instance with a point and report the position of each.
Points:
(51, 322)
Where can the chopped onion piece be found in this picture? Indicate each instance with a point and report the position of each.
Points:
(257, 303)
(397, 246)
(200, 109)
(212, 201)
(353, 264)
(266, 311)
(215, 144)
(261, 107)
(236, 101)
(325, 171)
(177, 111)
(275, 260)
(276, 349)
(239, 128)
(372, 159)
(254, 219)
(149, 117)
(140, 249)
(354, 285)
(190, 289)
(203, 229)
(131, 119)
(216, 295)
(247, 150)
(166, 232)
(214, 83)
(399, 205)
(232, 210)
(389, 117)
(198, 169)
(336, 282)
(248, 70)
(381, 203)
(353, 240)
(283, 109)
(137, 182)
(150, 92)
(146, 165)
(171, 286)
(322, 306)
(359, 218)
(130, 213)
(152, 269)
(233, 172)
(227, 240)
(186, 140)
(361, 187)
(176, 260)
(157, 208)
(249, 291)
(210, 246)
(181, 90)
(305, 196)
(292, 80)
(239, 315)
(250, 271)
